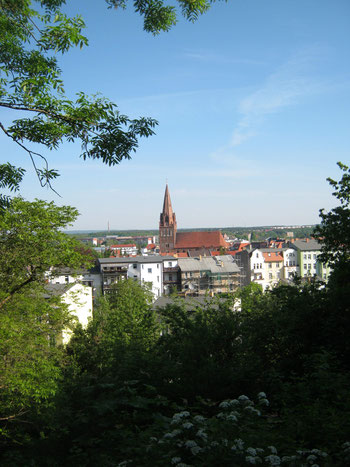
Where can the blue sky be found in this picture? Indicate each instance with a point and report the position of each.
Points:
(253, 109)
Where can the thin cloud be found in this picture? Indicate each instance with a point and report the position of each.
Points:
(286, 87)
(217, 58)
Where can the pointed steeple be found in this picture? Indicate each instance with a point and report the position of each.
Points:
(167, 224)
(167, 208)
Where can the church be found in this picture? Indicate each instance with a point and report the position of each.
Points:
(185, 243)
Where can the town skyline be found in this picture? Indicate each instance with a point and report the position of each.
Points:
(252, 102)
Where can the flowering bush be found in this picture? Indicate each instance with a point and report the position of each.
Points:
(224, 438)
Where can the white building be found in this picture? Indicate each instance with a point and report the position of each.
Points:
(144, 269)
(291, 265)
(78, 298)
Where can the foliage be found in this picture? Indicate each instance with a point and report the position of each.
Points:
(123, 331)
(32, 32)
(32, 241)
(334, 230)
(29, 370)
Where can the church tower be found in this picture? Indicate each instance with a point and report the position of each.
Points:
(167, 225)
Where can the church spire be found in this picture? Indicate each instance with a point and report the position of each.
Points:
(167, 208)
(167, 225)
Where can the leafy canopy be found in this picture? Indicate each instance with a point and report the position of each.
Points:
(32, 32)
(334, 230)
(32, 241)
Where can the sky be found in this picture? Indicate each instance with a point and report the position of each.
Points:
(253, 108)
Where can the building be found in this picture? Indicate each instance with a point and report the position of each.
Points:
(307, 251)
(159, 271)
(127, 249)
(190, 243)
(202, 275)
(78, 298)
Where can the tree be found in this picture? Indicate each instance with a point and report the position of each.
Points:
(32, 241)
(31, 32)
(334, 230)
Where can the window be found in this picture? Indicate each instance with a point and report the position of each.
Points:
(309, 256)
(309, 266)
(315, 256)
(270, 275)
(191, 274)
(157, 266)
(260, 265)
(157, 278)
(305, 267)
(305, 256)
(149, 270)
(135, 277)
(170, 277)
(170, 264)
(142, 266)
(257, 255)
(66, 278)
(270, 265)
(134, 266)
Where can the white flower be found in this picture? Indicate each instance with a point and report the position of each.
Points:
(172, 434)
(190, 443)
(175, 460)
(243, 398)
(311, 458)
(224, 405)
(262, 395)
(273, 460)
(199, 419)
(272, 449)
(195, 450)
(239, 444)
(250, 460)
(202, 434)
(251, 451)
(232, 418)
(264, 402)
(252, 410)
(187, 425)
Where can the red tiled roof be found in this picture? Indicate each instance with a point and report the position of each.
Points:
(151, 246)
(182, 254)
(274, 256)
(212, 239)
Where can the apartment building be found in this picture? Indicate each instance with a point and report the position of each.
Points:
(213, 275)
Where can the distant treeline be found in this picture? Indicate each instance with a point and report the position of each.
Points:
(258, 233)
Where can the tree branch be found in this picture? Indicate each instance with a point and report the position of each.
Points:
(31, 154)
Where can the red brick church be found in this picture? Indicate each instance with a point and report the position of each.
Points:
(185, 243)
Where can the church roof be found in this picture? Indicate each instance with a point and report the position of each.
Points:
(167, 208)
(212, 239)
